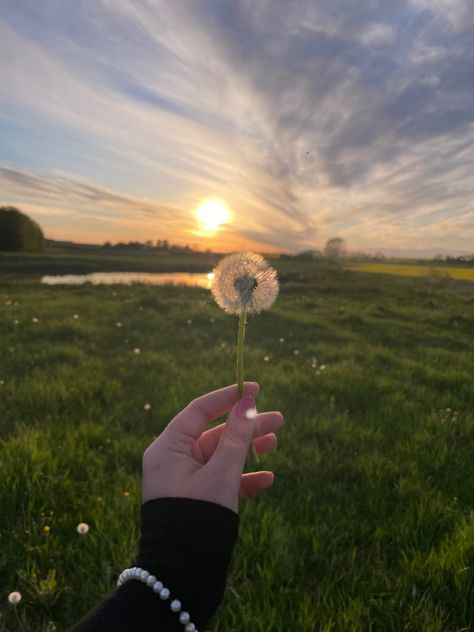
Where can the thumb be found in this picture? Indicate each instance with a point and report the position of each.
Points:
(231, 451)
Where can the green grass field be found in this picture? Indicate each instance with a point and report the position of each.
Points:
(447, 272)
(370, 523)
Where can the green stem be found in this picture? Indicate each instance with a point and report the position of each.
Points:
(240, 368)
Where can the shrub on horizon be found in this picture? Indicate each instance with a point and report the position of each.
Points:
(18, 232)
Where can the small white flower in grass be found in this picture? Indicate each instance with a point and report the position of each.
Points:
(76, 316)
(136, 351)
(16, 322)
(14, 598)
(140, 309)
(189, 321)
(147, 407)
(118, 324)
(8, 302)
(266, 359)
(211, 320)
(35, 320)
(282, 340)
(82, 528)
(2, 382)
(296, 352)
(322, 367)
(223, 345)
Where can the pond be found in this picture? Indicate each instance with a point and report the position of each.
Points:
(194, 279)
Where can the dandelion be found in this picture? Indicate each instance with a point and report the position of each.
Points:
(14, 598)
(136, 351)
(82, 528)
(244, 284)
(126, 494)
(46, 529)
(100, 499)
(147, 407)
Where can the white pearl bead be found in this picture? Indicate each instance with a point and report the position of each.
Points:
(136, 573)
(165, 593)
(184, 617)
(190, 627)
(151, 580)
(175, 605)
(157, 587)
(144, 576)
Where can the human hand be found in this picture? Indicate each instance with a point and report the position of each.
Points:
(186, 462)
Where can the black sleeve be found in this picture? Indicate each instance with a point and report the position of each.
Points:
(187, 544)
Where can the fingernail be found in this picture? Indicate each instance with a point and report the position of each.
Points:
(245, 403)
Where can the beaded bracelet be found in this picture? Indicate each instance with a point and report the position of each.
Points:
(157, 587)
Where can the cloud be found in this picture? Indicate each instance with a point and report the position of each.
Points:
(309, 119)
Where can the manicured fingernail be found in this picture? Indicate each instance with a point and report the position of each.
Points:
(245, 404)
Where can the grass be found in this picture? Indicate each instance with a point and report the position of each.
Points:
(460, 273)
(370, 523)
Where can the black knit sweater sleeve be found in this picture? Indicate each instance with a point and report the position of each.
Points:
(187, 544)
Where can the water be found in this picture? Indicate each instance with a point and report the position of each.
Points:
(127, 278)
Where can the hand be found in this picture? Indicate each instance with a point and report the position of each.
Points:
(186, 462)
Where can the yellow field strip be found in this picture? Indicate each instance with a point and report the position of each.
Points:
(465, 274)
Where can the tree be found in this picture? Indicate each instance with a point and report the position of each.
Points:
(18, 232)
(335, 248)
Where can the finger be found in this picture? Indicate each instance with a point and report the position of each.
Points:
(267, 443)
(255, 482)
(194, 418)
(231, 451)
(264, 423)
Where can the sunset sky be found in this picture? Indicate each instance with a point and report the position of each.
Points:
(264, 124)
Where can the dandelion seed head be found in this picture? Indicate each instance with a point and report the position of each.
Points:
(14, 598)
(244, 281)
(118, 324)
(76, 316)
(35, 320)
(266, 359)
(82, 528)
(296, 351)
(282, 340)
(147, 407)
(136, 351)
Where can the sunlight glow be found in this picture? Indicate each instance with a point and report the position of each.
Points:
(211, 214)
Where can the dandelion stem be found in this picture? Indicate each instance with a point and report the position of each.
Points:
(240, 368)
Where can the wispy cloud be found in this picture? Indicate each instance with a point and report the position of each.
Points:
(309, 119)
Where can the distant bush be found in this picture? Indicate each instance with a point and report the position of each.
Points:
(18, 232)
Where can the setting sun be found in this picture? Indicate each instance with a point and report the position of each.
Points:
(211, 214)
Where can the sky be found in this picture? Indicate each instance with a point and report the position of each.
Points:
(301, 120)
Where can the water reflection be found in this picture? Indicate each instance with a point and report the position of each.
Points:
(127, 278)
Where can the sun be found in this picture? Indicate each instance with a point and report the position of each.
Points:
(211, 214)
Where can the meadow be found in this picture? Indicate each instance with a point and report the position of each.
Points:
(370, 523)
